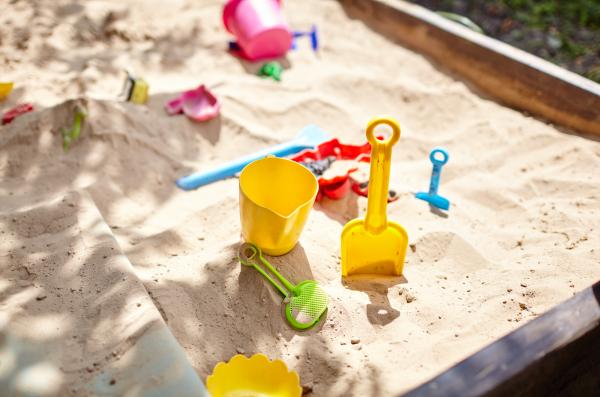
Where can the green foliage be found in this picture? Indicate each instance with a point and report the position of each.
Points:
(594, 74)
(572, 48)
(542, 13)
(565, 32)
(561, 15)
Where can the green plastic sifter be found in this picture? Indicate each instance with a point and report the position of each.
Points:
(305, 303)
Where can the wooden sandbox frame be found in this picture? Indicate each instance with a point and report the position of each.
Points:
(498, 70)
(558, 353)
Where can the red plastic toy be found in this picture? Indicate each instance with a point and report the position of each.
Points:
(15, 112)
(362, 189)
(338, 185)
(337, 182)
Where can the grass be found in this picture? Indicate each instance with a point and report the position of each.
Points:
(565, 32)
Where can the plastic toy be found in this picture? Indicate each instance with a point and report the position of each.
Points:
(305, 303)
(362, 189)
(272, 70)
(337, 185)
(198, 104)
(136, 89)
(318, 167)
(71, 135)
(432, 197)
(15, 112)
(308, 138)
(254, 376)
(259, 28)
(466, 22)
(5, 89)
(276, 196)
(374, 245)
(234, 47)
(312, 34)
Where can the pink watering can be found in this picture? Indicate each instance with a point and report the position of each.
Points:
(259, 27)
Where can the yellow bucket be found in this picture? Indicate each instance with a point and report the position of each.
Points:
(276, 196)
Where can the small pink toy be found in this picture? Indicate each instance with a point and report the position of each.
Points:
(198, 104)
(259, 28)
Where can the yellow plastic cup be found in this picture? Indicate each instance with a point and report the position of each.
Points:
(276, 196)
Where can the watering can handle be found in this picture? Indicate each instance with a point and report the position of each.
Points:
(379, 179)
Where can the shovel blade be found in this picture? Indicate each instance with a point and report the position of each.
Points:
(381, 253)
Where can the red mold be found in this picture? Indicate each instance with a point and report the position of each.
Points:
(339, 185)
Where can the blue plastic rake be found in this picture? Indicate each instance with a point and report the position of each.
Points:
(312, 34)
(432, 197)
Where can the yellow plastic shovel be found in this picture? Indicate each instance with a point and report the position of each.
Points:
(374, 245)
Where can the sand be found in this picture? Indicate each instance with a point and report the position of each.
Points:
(520, 237)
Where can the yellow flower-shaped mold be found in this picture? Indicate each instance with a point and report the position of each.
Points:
(256, 376)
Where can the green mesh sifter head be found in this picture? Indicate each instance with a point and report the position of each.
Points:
(305, 303)
(305, 307)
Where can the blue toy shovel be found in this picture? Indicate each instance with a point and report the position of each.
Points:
(309, 138)
(432, 197)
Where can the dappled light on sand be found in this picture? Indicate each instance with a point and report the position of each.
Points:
(111, 276)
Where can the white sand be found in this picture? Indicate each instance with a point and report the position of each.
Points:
(520, 237)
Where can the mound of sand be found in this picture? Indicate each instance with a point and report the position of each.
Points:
(521, 235)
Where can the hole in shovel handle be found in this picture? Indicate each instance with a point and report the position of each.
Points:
(388, 121)
(439, 156)
(247, 253)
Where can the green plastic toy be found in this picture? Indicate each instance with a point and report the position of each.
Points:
(71, 135)
(305, 303)
(462, 20)
(272, 70)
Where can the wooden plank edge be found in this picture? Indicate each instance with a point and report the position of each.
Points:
(555, 354)
(505, 73)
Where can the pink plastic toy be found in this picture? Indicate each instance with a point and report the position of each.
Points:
(259, 27)
(198, 104)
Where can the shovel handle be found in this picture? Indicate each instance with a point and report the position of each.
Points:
(437, 168)
(248, 255)
(379, 179)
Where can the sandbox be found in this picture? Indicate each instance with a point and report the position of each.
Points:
(102, 252)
